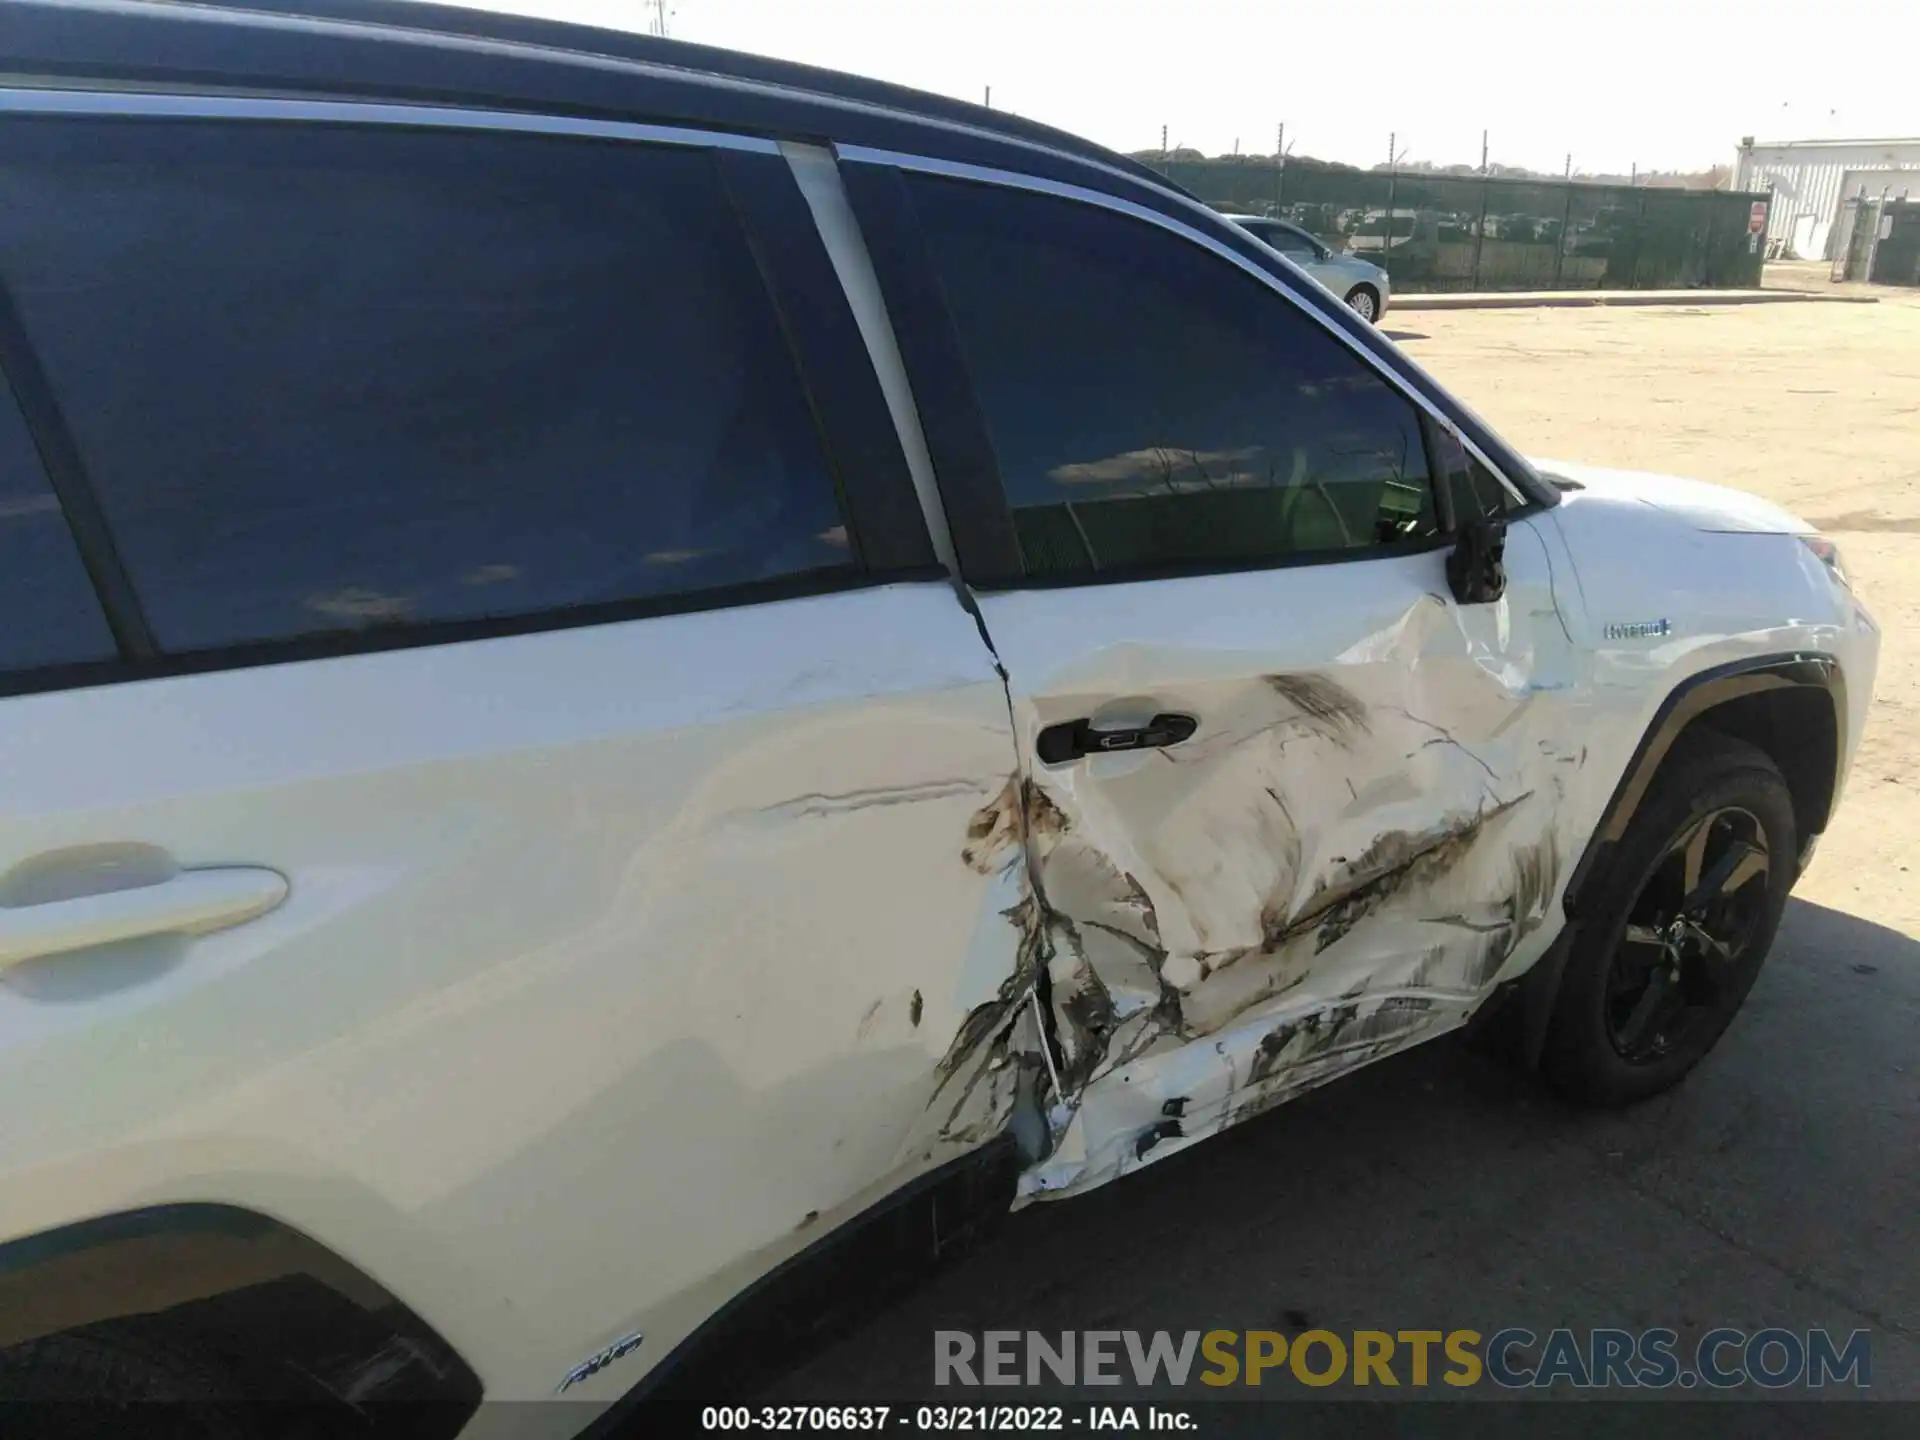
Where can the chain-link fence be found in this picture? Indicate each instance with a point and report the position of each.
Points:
(1473, 232)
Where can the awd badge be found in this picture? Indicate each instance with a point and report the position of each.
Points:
(595, 1364)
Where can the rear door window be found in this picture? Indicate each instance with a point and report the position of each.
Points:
(49, 615)
(348, 379)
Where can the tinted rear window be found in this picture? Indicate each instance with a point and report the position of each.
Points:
(48, 612)
(337, 378)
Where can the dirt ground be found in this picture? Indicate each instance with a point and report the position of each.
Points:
(1816, 407)
(1779, 1185)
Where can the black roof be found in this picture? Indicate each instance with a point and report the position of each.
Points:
(399, 49)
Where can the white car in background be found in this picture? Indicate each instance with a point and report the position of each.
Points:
(1360, 283)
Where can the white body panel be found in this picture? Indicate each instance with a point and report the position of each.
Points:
(1638, 551)
(1703, 506)
(615, 966)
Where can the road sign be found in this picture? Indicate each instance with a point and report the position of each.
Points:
(1757, 217)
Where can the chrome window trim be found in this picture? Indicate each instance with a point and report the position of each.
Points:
(171, 105)
(1014, 180)
(818, 177)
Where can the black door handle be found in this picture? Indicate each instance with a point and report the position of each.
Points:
(1071, 739)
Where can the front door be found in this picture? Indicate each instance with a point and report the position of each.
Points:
(1289, 806)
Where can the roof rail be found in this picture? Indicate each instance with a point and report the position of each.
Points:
(453, 20)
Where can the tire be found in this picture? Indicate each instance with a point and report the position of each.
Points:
(79, 1386)
(1660, 967)
(1365, 301)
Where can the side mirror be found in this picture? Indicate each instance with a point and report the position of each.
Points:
(1476, 566)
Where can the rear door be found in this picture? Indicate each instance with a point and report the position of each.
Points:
(1290, 805)
(549, 669)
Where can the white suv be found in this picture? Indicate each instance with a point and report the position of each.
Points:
(640, 684)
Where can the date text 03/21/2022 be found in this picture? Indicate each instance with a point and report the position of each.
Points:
(928, 1419)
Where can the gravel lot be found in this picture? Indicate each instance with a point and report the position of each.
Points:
(1781, 1184)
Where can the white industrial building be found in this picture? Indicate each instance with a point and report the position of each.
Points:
(1812, 180)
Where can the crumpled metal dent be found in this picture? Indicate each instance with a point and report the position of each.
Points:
(1103, 1049)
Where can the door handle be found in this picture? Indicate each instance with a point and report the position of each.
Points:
(194, 902)
(1071, 739)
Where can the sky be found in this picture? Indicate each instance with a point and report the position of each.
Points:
(1616, 83)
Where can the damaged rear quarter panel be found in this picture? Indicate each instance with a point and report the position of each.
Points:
(1362, 838)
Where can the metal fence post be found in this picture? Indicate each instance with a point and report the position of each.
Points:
(1480, 228)
(1639, 244)
(1560, 250)
(1707, 270)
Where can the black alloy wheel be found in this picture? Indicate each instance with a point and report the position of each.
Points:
(1674, 925)
(1689, 935)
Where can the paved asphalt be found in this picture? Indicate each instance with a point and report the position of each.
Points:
(1779, 1185)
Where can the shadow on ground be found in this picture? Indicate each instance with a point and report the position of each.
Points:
(1399, 335)
(1777, 1186)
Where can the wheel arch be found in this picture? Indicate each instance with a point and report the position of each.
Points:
(1791, 706)
(294, 1322)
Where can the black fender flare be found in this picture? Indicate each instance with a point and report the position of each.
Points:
(294, 1323)
(1692, 701)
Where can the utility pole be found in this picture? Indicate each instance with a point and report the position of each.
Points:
(657, 20)
(989, 100)
(1279, 165)
(1483, 152)
(1566, 221)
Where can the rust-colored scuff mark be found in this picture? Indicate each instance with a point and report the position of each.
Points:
(1393, 862)
(1136, 896)
(1020, 811)
(1332, 709)
(1312, 1049)
(982, 1051)
(1432, 965)
(1536, 873)
(1045, 819)
(1495, 946)
(994, 829)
